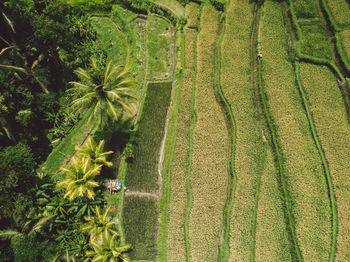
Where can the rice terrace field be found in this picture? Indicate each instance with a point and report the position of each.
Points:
(253, 160)
(240, 138)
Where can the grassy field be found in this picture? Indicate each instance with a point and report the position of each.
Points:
(345, 36)
(159, 54)
(142, 174)
(330, 116)
(140, 221)
(111, 39)
(65, 149)
(303, 170)
(271, 230)
(315, 41)
(340, 10)
(305, 8)
(211, 152)
(236, 83)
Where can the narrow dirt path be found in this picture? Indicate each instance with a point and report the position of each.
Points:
(139, 193)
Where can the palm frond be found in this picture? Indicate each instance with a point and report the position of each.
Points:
(8, 233)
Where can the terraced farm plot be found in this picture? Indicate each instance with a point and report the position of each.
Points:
(190, 35)
(192, 12)
(174, 6)
(176, 248)
(302, 168)
(345, 36)
(305, 8)
(211, 148)
(137, 55)
(332, 126)
(237, 86)
(315, 41)
(140, 221)
(271, 230)
(340, 10)
(111, 39)
(142, 173)
(160, 41)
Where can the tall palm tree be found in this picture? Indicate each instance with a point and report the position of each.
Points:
(95, 152)
(98, 224)
(79, 180)
(107, 249)
(107, 91)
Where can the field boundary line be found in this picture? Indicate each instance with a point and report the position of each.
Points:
(224, 247)
(324, 162)
(279, 157)
(193, 125)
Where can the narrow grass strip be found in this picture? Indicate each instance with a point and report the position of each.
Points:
(193, 125)
(257, 193)
(324, 163)
(224, 250)
(169, 149)
(330, 117)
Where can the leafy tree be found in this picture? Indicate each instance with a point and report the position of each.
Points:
(103, 92)
(94, 152)
(107, 248)
(79, 179)
(98, 224)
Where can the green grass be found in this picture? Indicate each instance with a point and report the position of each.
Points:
(142, 172)
(305, 8)
(159, 54)
(110, 39)
(340, 10)
(65, 149)
(140, 222)
(168, 157)
(302, 177)
(315, 41)
(327, 107)
(211, 148)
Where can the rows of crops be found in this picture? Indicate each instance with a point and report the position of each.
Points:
(258, 161)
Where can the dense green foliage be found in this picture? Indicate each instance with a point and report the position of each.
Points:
(142, 171)
(140, 218)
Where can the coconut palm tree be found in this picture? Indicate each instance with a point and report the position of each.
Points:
(107, 91)
(106, 248)
(79, 180)
(98, 224)
(95, 152)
